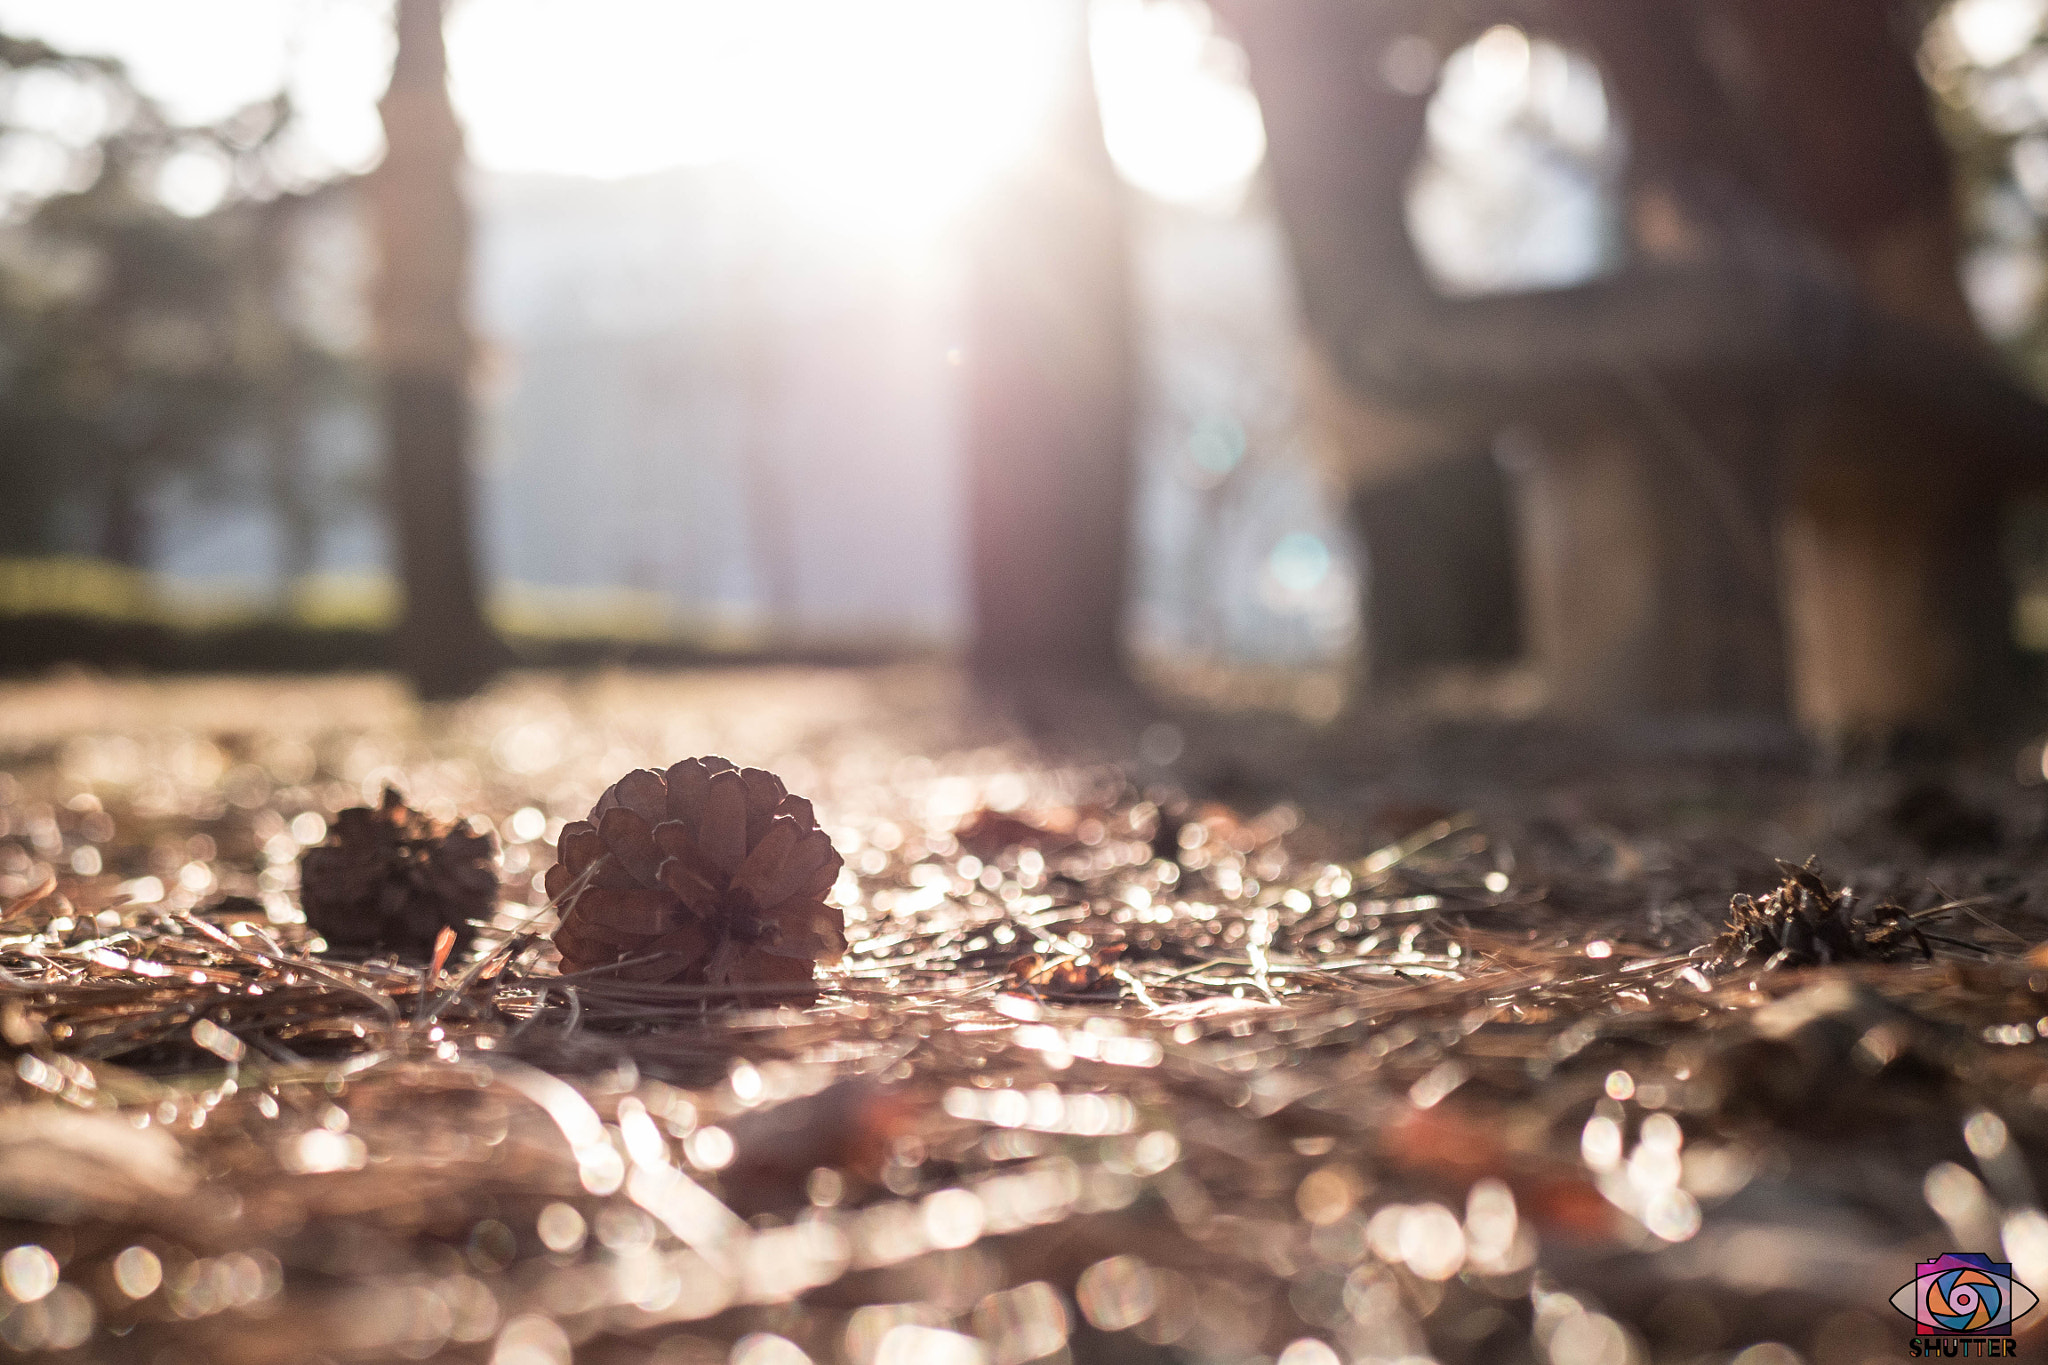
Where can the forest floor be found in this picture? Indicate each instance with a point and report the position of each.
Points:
(1162, 1036)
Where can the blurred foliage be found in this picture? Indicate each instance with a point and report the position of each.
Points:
(1986, 62)
(145, 322)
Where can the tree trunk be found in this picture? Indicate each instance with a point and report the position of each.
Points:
(421, 226)
(1049, 391)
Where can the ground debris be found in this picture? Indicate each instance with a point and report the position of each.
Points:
(1941, 821)
(1174, 1082)
(1801, 922)
(1070, 974)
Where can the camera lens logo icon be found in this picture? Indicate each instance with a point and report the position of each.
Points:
(1963, 1294)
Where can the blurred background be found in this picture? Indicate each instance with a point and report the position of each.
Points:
(762, 312)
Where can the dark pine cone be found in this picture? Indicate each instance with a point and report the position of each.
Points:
(389, 879)
(707, 875)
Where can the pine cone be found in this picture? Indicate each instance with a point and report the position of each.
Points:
(715, 875)
(389, 879)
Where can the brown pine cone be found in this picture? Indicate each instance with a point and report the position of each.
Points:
(708, 874)
(389, 879)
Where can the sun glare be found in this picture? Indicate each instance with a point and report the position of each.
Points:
(1178, 113)
(885, 114)
(881, 117)
(888, 113)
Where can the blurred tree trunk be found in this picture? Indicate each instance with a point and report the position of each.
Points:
(130, 427)
(1435, 518)
(124, 532)
(1898, 597)
(1778, 127)
(421, 226)
(1442, 572)
(298, 526)
(1050, 363)
(284, 397)
(758, 351)
(1784, 367)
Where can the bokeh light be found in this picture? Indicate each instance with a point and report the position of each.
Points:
(1178, 113)
(1517, 186)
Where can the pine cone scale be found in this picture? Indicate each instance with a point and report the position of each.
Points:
(693, 877)
(610, 874)
(631, 912)
(585, 944)
(824, 879)
(579, 845)
(806, 929)
(556, 881)
(722, 832)
(764, 795)
(798, 870)
(688, 781)
(691, 886)
(819, 862)
(645, 794)
(759, 873)
(630, 839)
